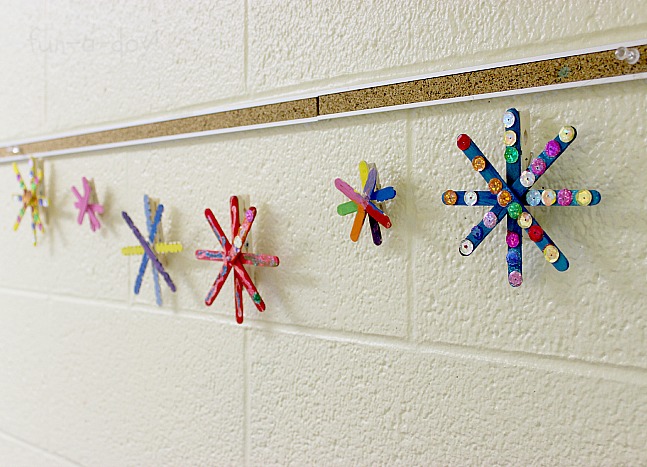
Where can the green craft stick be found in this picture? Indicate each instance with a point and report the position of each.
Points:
(346, 208)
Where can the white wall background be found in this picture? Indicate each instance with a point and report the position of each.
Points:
(403, 354)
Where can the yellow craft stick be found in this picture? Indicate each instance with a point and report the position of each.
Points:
(162, 248)
(363, 173)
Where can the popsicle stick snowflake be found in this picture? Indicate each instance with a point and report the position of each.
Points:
(510, 197)
(234, 258)
(31, 197)
(87, 204)
(152, 247)
(368, 203)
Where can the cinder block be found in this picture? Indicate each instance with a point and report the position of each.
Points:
(25, 363)
(135, 388)
(23, 76)
(122, 60)
(320, 402)
(310, 45)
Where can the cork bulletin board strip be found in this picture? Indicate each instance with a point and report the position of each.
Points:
(531, 75)
(557, 71)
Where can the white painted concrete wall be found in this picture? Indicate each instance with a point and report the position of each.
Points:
(403, 354)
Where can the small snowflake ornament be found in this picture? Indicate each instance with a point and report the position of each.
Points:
(369, 202)
(151, 247)
(234, 257)
(510, 197)
(31, 197)
(87, 204)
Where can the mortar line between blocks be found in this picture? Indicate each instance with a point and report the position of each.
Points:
(517, 358)
(26, 444)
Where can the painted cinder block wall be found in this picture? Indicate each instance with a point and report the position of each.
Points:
(406, 354)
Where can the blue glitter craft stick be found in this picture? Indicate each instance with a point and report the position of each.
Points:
(562, 262)
(489, 172)
(517, 187)
(514, 257)
(480, 231)
(152, 233)
(483, 198)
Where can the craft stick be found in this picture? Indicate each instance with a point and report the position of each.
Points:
(218, 283)
(238, 298)
(166, 248)
(484, 198)
(217, 230)
(371, 181)
(363, 172)
(81, 204)
(152, 227)
(378, 215)
(260, 260)
(596, 197)
(21, 182)
(249, 286)
(234, 215)
(250, 215)
(346, 208)
(210, 255)
(357, 224)
(376, 233)
(476, 240)
(562, 262)
(519, 188)
(383, 194)
(472, 151)
(347, 190)
(238, 286)
(514, 258)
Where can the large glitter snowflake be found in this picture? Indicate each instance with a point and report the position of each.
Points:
(510, 197)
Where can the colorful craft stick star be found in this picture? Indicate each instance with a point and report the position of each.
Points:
(234, 258)
(87, 204)
(149, 248)
(508, 198)
(369, 202)
(31, 197)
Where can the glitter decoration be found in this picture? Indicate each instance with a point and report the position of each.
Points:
(533, 197)
(564, 197)
(514, 210)
(552, 148)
